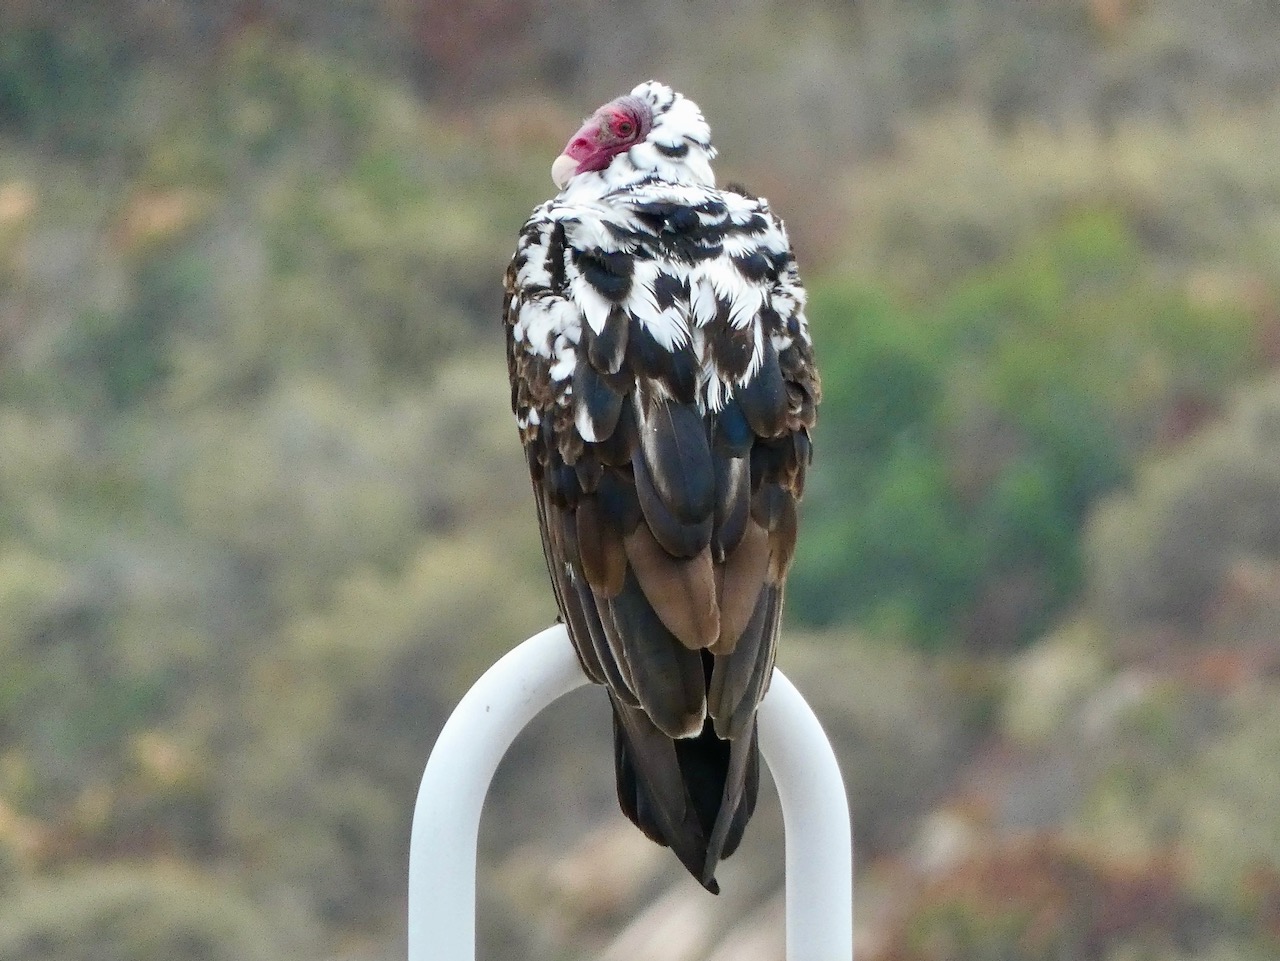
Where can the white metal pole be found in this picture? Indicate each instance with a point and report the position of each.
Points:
(816, 826)
(446, 818)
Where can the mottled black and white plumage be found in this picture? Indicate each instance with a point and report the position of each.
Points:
(662, 378)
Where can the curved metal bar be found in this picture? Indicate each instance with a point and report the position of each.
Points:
(446, 818)
(816, 825)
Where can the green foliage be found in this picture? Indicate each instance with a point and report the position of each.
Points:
(1041, 899)
(263, 514)
(122, 355)
(1051, 682)
(957, 196)
(961, 445)
(1183, 767)
(276, 208)
(258, 500)
(899, 725)
(1196, 546)
(58, 83)
(30, 586)
(136, 914)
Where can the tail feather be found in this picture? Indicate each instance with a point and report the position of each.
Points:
(738, 799)
(694, 795)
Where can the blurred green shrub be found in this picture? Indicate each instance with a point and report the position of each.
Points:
(956, 196)
(274, 208)
(1182, 768)
(58, 83)
(1045, 899)
(962, 444)
(1195, 546)
(138, 914)
(262, 513)
(122, 354)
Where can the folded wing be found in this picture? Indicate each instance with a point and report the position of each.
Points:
(664, 387)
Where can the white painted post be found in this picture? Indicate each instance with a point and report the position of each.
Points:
(816, 825)
(446, 818)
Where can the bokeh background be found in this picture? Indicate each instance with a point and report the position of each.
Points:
(263, 517)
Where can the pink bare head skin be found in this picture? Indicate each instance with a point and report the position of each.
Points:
(616, 127)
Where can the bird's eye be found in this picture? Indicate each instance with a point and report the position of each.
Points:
(626, 128)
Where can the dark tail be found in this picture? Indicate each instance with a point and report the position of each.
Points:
(694, 795)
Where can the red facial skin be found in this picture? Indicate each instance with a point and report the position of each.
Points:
(615, 127)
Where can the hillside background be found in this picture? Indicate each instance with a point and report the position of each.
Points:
(263, 516)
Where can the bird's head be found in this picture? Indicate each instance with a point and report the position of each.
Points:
(652, 129)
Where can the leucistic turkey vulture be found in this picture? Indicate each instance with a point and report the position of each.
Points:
(662, 380)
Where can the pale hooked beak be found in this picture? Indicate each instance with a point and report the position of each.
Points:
(563, 169)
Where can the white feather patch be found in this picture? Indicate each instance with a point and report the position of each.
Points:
(587, 230)
(715, 392)
(564, 362)
(582, 420)
(594, 306)
(702, 299)
(757, 353)
(737, 245)
(667, 326)
(746, 305)
(728, 285)
(545, 319)
(534, 273)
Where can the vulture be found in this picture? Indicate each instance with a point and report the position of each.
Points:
(663, 385)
